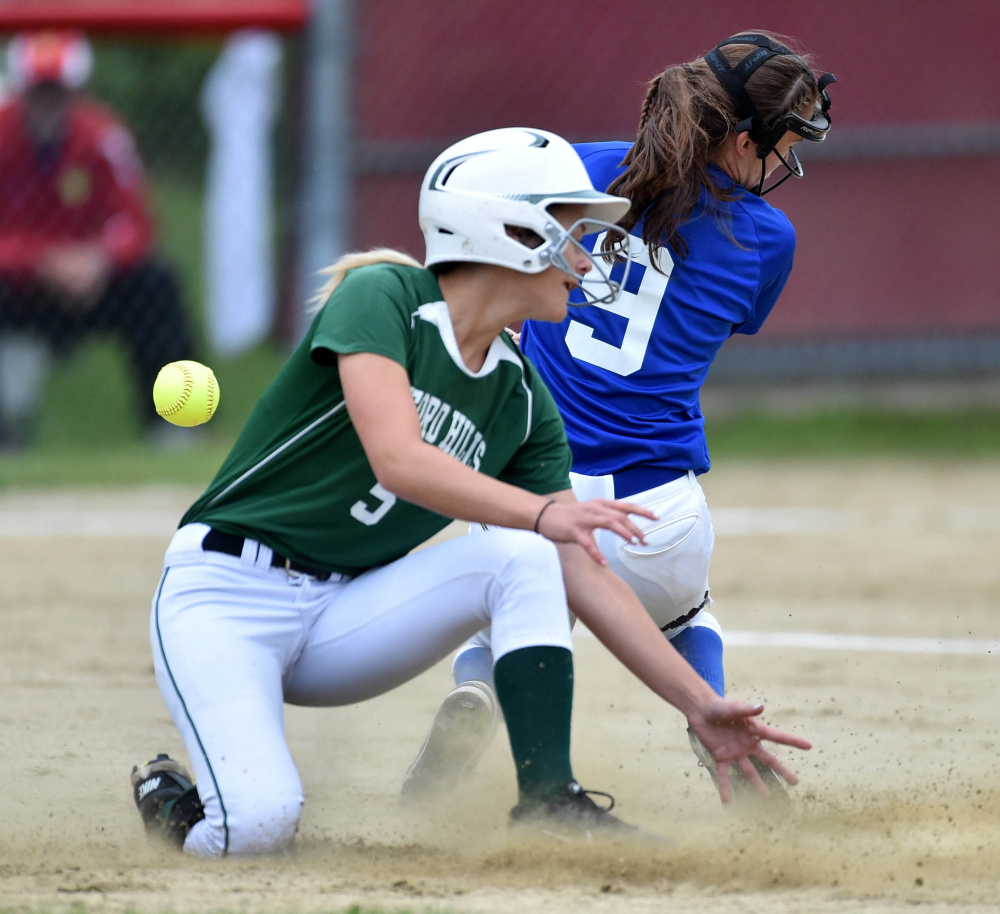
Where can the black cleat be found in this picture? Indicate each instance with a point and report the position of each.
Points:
(166, 799)
(574, 816)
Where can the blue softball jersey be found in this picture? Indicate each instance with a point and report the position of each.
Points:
(626, 376)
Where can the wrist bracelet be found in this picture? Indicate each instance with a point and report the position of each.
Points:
(538, 519)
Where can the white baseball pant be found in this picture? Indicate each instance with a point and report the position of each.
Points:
(234, 639)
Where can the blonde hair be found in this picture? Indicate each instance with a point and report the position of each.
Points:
(338, 270)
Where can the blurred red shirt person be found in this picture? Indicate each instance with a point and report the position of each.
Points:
(70, 176)
(76, 232)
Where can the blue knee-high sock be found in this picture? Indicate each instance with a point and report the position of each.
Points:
(702, 648)
(473, 663)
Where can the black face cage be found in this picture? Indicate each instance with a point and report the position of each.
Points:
(766, 136)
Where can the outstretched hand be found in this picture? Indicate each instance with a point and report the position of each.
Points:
(575, 522)
(732, 731)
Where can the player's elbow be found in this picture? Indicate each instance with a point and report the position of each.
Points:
(396, 471)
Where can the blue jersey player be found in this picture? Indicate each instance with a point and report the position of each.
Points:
(710, 259)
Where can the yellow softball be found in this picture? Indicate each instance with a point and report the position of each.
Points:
(186, 393)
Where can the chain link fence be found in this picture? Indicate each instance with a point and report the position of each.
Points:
(147, 213)
(895, 220)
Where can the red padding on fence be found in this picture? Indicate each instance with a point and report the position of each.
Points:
(177, 16)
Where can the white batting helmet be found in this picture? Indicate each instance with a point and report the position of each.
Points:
(477, 188)
(63, 57)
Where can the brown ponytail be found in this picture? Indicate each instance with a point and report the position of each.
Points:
(686, 117)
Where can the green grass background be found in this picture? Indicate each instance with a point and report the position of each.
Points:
(89, 433)
(90, 436)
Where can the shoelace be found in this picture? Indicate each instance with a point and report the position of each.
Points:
(589, 794)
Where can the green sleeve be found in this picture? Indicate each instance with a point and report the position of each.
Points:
(543, 462)
(366, 313)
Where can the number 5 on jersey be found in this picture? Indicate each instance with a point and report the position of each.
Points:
(371, 516)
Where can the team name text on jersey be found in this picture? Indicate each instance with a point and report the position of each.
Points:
(463, 440)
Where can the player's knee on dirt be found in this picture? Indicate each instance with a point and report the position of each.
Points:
(248, 826)
(263, 825)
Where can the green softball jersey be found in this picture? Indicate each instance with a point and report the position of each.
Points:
(297, 478)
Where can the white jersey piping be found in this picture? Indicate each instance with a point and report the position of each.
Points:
(327, 415)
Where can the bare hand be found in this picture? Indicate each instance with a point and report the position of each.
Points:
(732, 732)
(575, 522)
(77, 273)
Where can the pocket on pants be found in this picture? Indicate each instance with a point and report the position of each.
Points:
(664, 535)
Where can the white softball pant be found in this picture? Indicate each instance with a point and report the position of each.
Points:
(669, 574)
(234, 639)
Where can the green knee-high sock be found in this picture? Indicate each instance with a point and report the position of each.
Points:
(534, 686)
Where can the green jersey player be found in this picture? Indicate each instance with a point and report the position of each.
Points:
(293, 578)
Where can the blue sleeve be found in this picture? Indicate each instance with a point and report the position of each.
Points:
(776, 244)
(602, 161)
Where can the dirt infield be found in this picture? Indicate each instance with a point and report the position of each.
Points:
(900, 798)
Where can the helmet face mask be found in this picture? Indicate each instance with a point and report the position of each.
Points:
(793, 169)
(596, 285)
(767, 136)
(816, 128)
(481, 187)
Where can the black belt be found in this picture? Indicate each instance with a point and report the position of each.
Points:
(687, 617)
(643, 478)
(217, 541)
